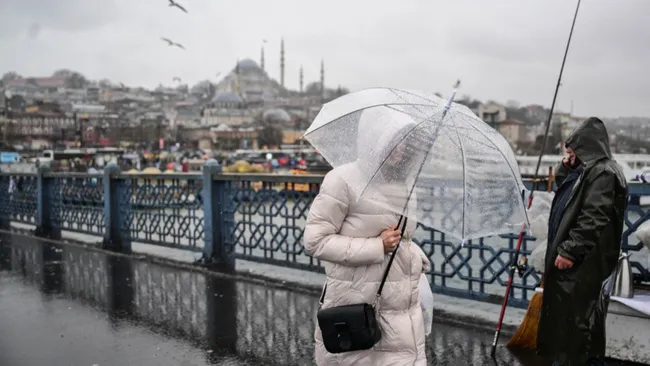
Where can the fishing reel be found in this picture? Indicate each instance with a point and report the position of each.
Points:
(520, 267)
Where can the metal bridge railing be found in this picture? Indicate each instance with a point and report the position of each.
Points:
(258, 218)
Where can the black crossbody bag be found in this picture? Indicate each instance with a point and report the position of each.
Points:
(353, 327)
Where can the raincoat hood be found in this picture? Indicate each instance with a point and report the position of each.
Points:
(590, 141)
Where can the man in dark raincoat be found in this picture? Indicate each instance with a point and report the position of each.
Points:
(585, 229)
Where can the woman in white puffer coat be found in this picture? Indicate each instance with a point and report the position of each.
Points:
(354, 240)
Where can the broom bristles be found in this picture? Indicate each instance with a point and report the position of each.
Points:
(526, 335)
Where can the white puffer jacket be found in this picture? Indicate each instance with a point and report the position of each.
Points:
(344, 233)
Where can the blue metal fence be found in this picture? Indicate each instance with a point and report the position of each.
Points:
(258, 218)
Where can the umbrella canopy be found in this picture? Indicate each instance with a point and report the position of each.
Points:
(417, 154)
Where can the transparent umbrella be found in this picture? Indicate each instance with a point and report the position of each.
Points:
(425, 157)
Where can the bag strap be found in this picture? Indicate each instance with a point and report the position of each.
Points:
(402, 220)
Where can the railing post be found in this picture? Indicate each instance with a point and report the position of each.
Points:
(5, 223)
(46, 217)
(117, 211)
(215, 251)
(5, 210)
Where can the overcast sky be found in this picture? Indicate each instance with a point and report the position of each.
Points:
(500, 49)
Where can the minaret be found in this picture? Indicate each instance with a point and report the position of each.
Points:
(282, 62)
(322, 80)
(301, 79)
(237, 80)
(262, 59)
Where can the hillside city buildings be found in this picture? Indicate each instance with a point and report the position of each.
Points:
(247, 108)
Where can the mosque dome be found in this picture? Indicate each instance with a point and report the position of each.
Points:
(227, 97)
(248, 64)
(277, 114)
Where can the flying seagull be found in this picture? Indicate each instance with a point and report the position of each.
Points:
(172, 3)
(172, 43)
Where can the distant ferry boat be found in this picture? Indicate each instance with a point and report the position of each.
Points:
(632, 164)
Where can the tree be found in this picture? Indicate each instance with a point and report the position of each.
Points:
(183, 88)
(513, 104)
(202, 87)
(76, 81)
(62, 73)
(105, 83)
(269, 135)
(11, 75)
(73, 79)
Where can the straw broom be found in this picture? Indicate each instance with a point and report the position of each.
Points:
(526, 335)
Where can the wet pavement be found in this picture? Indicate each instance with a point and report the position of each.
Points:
(66, 306)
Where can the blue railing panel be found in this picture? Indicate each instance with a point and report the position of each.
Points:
(638, 212)
(269, 220)
(477, 269)
(78, 204)
(167, 211)
(18, 197)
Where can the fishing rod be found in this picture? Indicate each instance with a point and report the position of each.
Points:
(515, 266)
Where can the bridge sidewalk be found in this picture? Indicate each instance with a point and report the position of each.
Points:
(477, 314)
